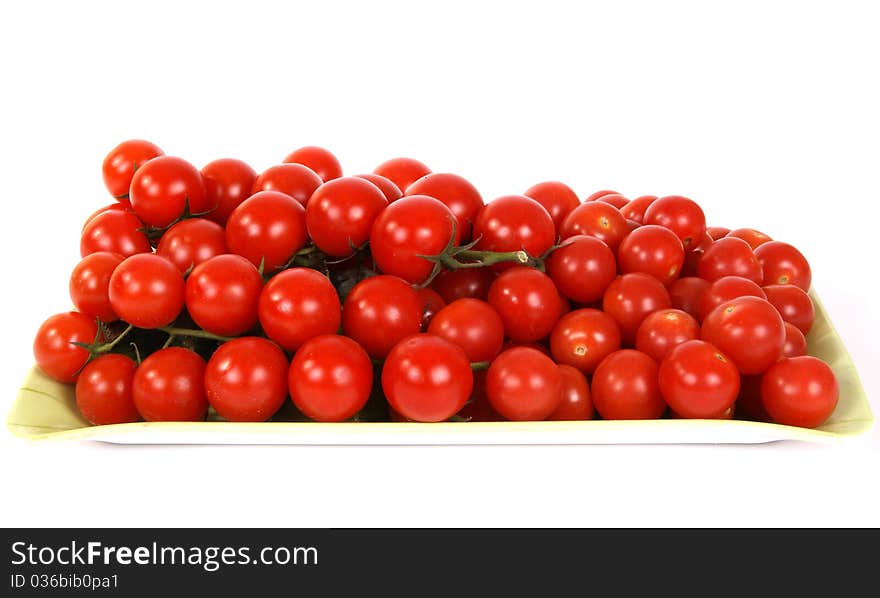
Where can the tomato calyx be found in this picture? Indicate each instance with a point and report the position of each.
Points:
(477, 366)
(155, 232)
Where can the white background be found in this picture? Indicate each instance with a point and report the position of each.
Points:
(765, 112)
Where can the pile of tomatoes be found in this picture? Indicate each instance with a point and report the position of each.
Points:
(401, 295)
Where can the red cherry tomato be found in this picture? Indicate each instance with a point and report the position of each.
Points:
(576, 403)
(748, 330)
(596, 219)
(340, 214)
(147, 290)
(191, 242)
(222, 295)
(795, 342)
(686, 293)
(582, 268)
(653, 250)
(754, 238)
(54, 351)
(527, 301)
(799, 391)
(228, 182)
(630, 298)
(679, 214)
(664, 330)
(635, 209)
(729, 256)
(90, 282)
(514, 222)
(246, 379)
(557, 198)
(317, 159)
(113, 206)
(114, 231)
(723, 290)
(104, 390)
(379, 312)
(407, 229)
(602, 193)
(456, 193)
(298, 304)
(583, 338)
(716, 232)
(295, 180)
(698, 381)
(792, 303)
(615, 199)
(122, 162)
(431, 303)
(470, 283)
(783, 264)
(169, 386)
(403, 172)
(523, 384)
(386, 186)
(471, 324)
(625, 386)
(427, 378)
(330, 378)
(164, 187)
(268, 228)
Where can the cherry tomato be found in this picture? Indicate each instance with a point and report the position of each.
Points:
(583, 338)
(723, 290)
(191, 242)
(169, 386)
(340, 214)
(295, 180)
(470, 283)
(716, 232)
(653, 250)
(379, 312)
(386, 186)
(625, 386)
(222, 295)
(456, 193)
(792, 303)
(431, 303)
(557, 198)
(729, 256)
(114, 231)
(317, 159)
(748, 330)
(113, 206)
(582, 268)
(147, 290)
(527, 301)
(795, 342)
(665, 329)
(523, 384)
(754, 238)
(635, 209)
(596, 219)
(246, 379)
(630, 298)
(698, 381)
(471, 324)
(576, 403)
(122, 162)
(602, 193)
(104, 390)
(268, 228)
(403, 172)
(783, 264)
(799, 391)
(615, 199)
(164, 187)
(330, 378)
(679, 214)
(686, 293)
(298, 304)
(89, 284)
(427, 378)
(228, 182)
(514, 222)
(54, 351)
(407, 229)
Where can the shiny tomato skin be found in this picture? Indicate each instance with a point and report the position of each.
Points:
(717, 232)
(114, 231)
(403, 172)
(268, 228)
(317, 159)
(169, 385)
(228, 182)
(653, 250)
(121, 163)
(601, 193)
(686, 293)
(576, 403)
(624, 386)
(340, 214)
(583, 338)
(470, 283)
(748, 330)
(527, 301)
(456, 193)
(615, 199)
(330, 378)
(431, 303)
(635, 209)
(471, 324)
(523, 384)
(294, 180)
(104, 390)
(582, 268)
(596, 219)
(53, 350)
(164, 187)
(799, 391)
(795, 342)
(298, 304)
(386, 186)
(514, 222)
(730, 256)
(698, 381)
(681, 215)
(146, 290)
(723, 290)
(90, 283)
(792, 303)
(223, 293)
(754, 238)
(427, 378)
(630, 298)
(246, 379)
(191, 242)
(381, 311)
(783, 264)
(557, 198)
(665, 329)
(113, 206)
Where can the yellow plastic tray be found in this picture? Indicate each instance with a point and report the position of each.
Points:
(45, 409)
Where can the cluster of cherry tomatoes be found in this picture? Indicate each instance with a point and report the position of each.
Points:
(226, 289)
